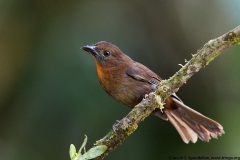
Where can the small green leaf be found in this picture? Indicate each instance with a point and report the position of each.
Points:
(95, 152)
(72, 151)
(83, 145)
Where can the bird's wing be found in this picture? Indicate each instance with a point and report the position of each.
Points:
(142, 73)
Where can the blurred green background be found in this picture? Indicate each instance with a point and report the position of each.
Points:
(50, 95)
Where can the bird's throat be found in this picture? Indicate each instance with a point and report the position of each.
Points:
(100, 71)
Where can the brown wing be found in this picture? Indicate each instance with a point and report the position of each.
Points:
(142, 73)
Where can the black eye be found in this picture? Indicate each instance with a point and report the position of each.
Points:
(106, 53)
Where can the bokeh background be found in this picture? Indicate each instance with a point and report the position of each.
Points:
(49, 93)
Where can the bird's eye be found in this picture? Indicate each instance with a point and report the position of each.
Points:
(106, 53)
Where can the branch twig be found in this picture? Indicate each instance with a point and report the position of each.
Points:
(126, 126)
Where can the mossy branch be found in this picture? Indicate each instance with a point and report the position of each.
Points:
(126, 126)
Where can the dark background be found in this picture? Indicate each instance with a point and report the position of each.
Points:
(49, 93)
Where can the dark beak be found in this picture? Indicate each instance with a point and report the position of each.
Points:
(90, 49)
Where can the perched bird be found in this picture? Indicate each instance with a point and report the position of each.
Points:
(129, 81)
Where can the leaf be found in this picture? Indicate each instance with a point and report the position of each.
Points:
(72, 151)
(83, 145)
(95, 152)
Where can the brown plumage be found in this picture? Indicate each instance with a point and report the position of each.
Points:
(128, 81)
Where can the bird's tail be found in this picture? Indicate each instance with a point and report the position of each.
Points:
(189, 123)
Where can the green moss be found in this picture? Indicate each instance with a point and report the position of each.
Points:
(236, 40)
(214, 54)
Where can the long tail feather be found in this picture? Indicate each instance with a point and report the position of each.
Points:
(189, 123)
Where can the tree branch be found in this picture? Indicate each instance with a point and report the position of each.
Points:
(126, 126)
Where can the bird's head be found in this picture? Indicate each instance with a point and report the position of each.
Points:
(106, 54)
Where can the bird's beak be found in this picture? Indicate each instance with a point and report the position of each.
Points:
(91, 49)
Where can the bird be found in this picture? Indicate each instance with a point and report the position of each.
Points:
(129, 82)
